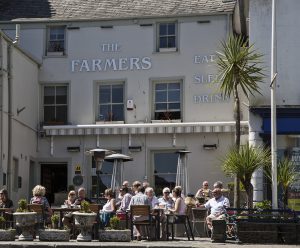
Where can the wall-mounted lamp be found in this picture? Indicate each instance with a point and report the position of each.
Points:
(210, 147)
(135, 148)
(73, 148)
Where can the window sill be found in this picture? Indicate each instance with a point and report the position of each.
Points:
(166, 50)
(166, 121)
(55, 54)
(109, 122)
(54, 123)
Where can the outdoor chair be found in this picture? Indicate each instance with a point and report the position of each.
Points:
(175, 219)
(96, 209)
(144, 219)
(199, 222)
(39, 209)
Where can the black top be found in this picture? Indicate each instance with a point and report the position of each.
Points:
(7, 204)
(79, 200)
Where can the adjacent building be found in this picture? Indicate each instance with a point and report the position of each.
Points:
(136, 77)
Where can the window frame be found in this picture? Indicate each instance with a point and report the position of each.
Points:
(55, 105)
(111, 104)
(48, 40)
(167, 112)
(158, 36)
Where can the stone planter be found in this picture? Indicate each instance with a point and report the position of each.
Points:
(115, 235)
(54, 235)
(26, 222)
(7, 235)
(85, 222)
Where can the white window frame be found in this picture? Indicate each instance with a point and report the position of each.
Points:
(167, 49)
(111, 84)
(57, 51)
(55, 105)
(168, 81)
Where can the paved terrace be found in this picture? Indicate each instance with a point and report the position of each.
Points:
(180, 243)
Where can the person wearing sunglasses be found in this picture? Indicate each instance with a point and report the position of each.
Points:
(166, 200)
(204, 193)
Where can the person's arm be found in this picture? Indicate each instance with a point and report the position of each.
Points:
(113, 205)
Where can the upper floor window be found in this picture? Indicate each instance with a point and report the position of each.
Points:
(111, 102)
(56, 104)
(167, 100)
(56, 40)
(167, 37)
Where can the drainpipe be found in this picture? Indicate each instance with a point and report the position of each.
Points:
(1, 106)
(9, 127)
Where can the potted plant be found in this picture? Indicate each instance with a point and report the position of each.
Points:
(85, 219)
(25, 220)
(6, 234)
(114, 232)
(54, 234)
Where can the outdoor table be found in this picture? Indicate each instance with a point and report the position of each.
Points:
(62, 211)
(157, 213)
(7, 214)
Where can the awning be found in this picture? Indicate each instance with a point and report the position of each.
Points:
(145, 128)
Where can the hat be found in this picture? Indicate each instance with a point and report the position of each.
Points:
(166, 190)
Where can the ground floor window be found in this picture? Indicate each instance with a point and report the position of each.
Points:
(165, 167)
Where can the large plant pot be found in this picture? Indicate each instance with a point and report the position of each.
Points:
(115, 235)
(54, 235)
(7, 235)
(85, 222)
(26, 222)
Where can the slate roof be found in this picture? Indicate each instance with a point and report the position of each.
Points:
(37, 10)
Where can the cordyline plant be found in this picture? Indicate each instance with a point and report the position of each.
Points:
(239, 70)
(243, 163)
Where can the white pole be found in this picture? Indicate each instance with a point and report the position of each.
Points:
(273, 108)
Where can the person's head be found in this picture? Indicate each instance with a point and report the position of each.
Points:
(72, 195)
(218, 184)
(149, 192)
(146, 184)
(125, 184)
(136, 185)
(123, 190)
(217, 192)
(205, 185)
(177, 191)
(108, 193)
(3, 195)
(81, 193)
(39, 190)
(166, 192)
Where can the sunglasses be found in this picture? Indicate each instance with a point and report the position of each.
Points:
(166, 192)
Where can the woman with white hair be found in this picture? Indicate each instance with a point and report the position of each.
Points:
(166, 200)
(38, 193)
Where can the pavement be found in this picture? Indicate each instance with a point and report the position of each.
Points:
(177, 243)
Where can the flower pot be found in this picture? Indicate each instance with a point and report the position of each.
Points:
(85, 222)
(54, 235)
(26, 222)
(115, 235)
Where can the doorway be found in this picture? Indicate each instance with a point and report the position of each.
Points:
(54, 177)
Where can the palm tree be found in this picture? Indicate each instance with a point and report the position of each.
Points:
(240, 69)
(286, 176)
(243, 162)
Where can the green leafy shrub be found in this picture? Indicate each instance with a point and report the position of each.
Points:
(263, 205)
(85, 207)
(22, 206)
(55, 218)
(2, 222)
(114, 223)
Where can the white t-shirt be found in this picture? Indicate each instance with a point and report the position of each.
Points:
(217, 206)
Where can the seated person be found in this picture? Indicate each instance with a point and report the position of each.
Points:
(70, 202)
(204, 192)
(217, 206)
(126, 198)
(109, 208)
(152, 199)
(166, 200)
(5, 202)
(39, 198)
(81, 197)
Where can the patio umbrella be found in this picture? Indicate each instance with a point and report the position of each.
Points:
(118, 160)
(99, 155)
(181, 175)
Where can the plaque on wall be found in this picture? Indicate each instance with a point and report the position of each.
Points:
(77, 180)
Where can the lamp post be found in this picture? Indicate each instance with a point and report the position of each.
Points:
(99, 155)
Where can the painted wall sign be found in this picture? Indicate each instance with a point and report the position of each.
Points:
(210, 98)
(204, 79)
(204, 59)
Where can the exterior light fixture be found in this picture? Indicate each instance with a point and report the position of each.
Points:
(210, 147)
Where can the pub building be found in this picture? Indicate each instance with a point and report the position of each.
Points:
(135, 77)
